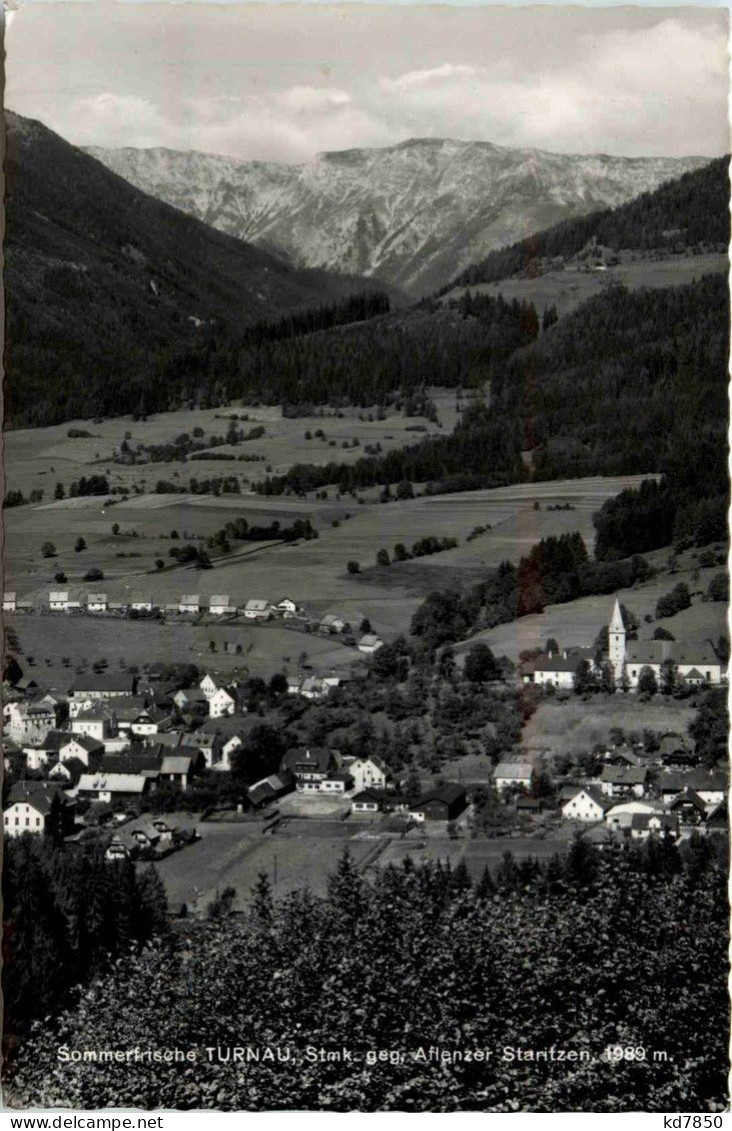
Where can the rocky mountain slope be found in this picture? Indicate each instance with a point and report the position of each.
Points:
(413, 214)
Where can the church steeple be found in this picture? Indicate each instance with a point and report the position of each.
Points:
(616, 642)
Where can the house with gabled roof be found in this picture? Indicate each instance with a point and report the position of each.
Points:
(112, 788)
(37, 807)
(507, 774)
(141, 603)
(8, 602)
(310, 765)
(190, 603)
(81, 747)
(587, 804)
(256, 608)
(220, 605)
(620, 781)
(112, 686)
(96, 603)
(58, 600)
(445, 803)
(287, 607)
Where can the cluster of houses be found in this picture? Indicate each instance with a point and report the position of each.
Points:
(366, 783)
(633, 795)
(695, 664)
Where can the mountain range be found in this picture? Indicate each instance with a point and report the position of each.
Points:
(412, 215)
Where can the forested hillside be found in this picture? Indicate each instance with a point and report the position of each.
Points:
(691, 213)
(599, 951)
(106, 287)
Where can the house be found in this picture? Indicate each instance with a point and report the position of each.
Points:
(209, 745)
(208, 686)
(711, 785)
(314, 687)
(287, 607)
(256, 609)
(645, 825)
(58, 600)
(23, 605)
(718, 818)
(619, 781)
(270, 789)
(188, 698)
(294, 682)
(147, 836)
(332, 623)
(98, 722)
(339, 782)
(368, 772)
(8, 602)
(622, 756)
(443, 804)
(37, 807)
(119, 608)
(310, 766)
(225, 701)
(81, 747)
(556, 669)
(587, 804)
(141, 603)
(103, 686)
(689, 808)
(220, 605)
(96, 603)
(367, 801)
(190, 603)
(507, 774)
(370, 643)
(30, 721)
(528, 805)
(112, 788)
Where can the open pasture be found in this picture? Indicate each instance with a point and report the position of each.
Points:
(234, 855)
(575, 726)
(266, 649)
(567, 289)
(38, 458)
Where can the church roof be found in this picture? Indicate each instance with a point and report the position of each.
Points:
(616, 621)
(656, 651)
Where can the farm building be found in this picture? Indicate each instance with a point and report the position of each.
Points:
(270, 789)
(96, 602)
(620, 816)
(443, 804)
(8, 602)
(58, 600)
(332, 623)
(287, 607)
(587, 804)
(558, 668)
(112, 787)
(256, 609)
(507, 774)
(219, 605)
(103, 686)
(141, 603)
(190, 603)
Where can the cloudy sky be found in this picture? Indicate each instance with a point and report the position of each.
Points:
(280, 82)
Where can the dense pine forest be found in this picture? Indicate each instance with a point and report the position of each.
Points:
(622, 950)
(688, 214)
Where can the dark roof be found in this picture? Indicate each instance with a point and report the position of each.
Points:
(689, 797)
(375, 795)
(447, 794)
(130, 763)
(696, 779)
(624, 775)
(39, 794)
(320, 758)
(125, 683)
(656, 651)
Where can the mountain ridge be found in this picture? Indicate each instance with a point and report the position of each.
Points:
(413, 214)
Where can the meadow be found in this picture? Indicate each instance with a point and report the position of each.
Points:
(566, 289)
(574, 726)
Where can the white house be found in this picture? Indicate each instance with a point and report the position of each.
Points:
(8, 602)
(222, 702)
(96, 603)
(558, 668)
(620, 816)
(112, 787)
(141, 603)
(507, 774)
(332, 623)
(365, 802)
(256, 609)
(368, 773)
(190, 603)
(233, 743)
(337, 783)
(58, 600)
(96, 722)
(370, 643)
(219, 605)
(287, 607)
(208, 686)
(294, 683)
(588, 804)
(80, 746)
(32, 805)
(29, 721)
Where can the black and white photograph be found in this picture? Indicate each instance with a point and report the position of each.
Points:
(365, 558)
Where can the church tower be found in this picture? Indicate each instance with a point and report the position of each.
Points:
(616, 642)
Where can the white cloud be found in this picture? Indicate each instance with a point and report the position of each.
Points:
(652, 90)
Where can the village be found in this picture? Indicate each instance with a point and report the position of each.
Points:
(148, 764)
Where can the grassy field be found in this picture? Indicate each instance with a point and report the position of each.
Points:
(233, 855)
(574, 726)
(568, 288)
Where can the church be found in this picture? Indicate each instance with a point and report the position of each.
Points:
(696, 663)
